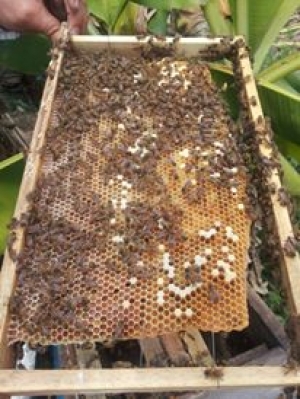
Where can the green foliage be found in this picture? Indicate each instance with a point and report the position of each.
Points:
(278, 82)
(27, 54)
(276, 303)
(11, 171)
(109, 12)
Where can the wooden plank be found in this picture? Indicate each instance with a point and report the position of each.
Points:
(188, 46)
(88, 358)
(245, 357)
(290, 265)
(274, 357)
(61, 382)
(174, 348)
(153, 352)
(8, 273)
(196, 347)
(274, 332)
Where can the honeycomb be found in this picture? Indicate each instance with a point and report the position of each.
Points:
(138, 224)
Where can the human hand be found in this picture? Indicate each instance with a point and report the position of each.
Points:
(43, 17)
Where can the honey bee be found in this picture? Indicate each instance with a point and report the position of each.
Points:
(214, 372)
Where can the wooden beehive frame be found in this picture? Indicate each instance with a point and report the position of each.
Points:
(49, 382)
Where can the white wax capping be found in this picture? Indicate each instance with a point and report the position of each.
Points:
(231, 258)
(126, 304)
(218, 144)
(117, 239)
(161, 247)
(200, 260)
(160, 281)
(185, 153)
(215, 273)
(208, 251)
(166, 256)
(123, 203)
(133, 280)
(200, 118)
(230, 276)
(171, 273)
(186, 265)
(160, 301)
(114, 203)
(213, 231)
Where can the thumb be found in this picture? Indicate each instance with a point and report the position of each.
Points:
(46, 23)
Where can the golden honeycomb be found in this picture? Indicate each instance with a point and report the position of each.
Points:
(138, 224)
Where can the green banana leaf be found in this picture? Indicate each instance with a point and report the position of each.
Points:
(294, 80)
(283, 107)
(168, 5)
(280, 104)
(125, 24)
(259, 21)
(287, 148)
(281, 69)
(219, 25)
(110, 11)
(107, 11)
(291, 178)
(11, 171)
(27, 54)
(158, 24)
(284, 84)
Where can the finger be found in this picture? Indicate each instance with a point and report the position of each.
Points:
(45, 23)
(77, 15)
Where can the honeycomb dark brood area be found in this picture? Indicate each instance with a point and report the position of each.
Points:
(138, 224)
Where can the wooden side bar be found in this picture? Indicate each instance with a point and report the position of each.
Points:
(8, 272)
(290, 265)
(113, 381)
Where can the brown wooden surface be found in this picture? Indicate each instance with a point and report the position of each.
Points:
(154, 353)
(174, 348)
(272, 331)
(196, 347)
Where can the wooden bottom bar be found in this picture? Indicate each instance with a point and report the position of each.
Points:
(61, 382)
